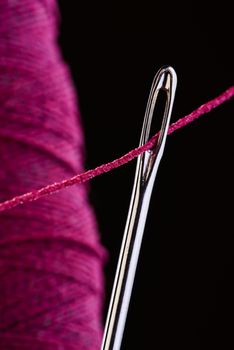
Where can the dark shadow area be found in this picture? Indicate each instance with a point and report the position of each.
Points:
(183, 294)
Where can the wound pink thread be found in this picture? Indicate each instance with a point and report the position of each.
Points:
(51, 260)
(90, 174)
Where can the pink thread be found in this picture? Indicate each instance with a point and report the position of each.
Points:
(51, 260)
(88, 175)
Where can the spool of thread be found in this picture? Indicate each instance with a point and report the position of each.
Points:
(51, 260)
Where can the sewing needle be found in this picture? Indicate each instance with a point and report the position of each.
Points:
(146, 170)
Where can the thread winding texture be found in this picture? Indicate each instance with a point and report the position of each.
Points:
(51, 261)
(104, 168)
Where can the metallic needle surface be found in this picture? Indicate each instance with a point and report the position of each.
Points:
(146, 170)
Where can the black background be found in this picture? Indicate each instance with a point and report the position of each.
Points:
(183, 294)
